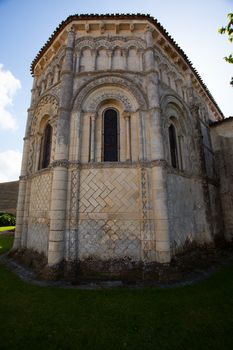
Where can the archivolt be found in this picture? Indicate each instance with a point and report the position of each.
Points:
(47, 105)
(128, 93)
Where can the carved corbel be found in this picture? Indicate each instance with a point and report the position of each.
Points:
(117, 28)
(131, 27)
(102, 27)
(87, 27)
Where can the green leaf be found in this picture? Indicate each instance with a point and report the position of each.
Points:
(222, 30)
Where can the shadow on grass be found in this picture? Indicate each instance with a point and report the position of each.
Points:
(192, 317)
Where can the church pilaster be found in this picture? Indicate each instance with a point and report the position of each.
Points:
(23, 183)
(60, 171)
(158, 173)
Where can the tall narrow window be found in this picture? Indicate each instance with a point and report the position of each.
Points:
(46, 147)
(173, 146)
(110, 138)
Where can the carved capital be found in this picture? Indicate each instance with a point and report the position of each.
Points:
(126, 115)
(64, 163)
(93, 116)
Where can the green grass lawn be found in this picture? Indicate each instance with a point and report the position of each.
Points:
(5, 244)
(6, 228)
(192, 317)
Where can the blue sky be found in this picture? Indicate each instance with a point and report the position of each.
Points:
(26, 25)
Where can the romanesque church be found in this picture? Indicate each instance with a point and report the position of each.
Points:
(127, 157)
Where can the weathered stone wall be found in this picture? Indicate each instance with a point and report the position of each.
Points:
(39, 218)
(8, 196)
(222, 139)
(215, 212)
(186, 209)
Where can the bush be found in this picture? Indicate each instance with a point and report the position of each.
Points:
(7, 219)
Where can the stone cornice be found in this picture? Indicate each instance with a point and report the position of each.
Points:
(148, 164)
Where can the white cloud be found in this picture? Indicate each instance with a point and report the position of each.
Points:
(8, 87)
(10, 164)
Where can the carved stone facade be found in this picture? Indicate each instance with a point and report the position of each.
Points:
(160, 193)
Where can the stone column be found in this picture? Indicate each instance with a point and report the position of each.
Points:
(20, 210)
(158, 171)
(42, 87)
(56, 75)
(126, 55)
(22, 179)
(142, 146)
(60, 165)
(124, 59)
(20, 213)
(78, 140)
(109, 54)
(94, 57)
(92, 140)
(78, 55)
(38, 148)
(128, 137)
(159, 199)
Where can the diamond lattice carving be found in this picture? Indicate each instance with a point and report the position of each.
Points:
(118, 238)
(38, 225)
(40, 194)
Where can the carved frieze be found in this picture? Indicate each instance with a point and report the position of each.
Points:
(110, 43)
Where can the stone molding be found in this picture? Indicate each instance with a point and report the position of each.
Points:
(100, 96)
(110, 43)
(49, 105)
(60, 163)
(126, 83)
(72, 165)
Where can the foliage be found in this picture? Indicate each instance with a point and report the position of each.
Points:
(7, 219)
(192, 317)
(228, 30)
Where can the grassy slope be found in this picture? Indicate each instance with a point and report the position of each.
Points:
(194, 317)
(6, 228)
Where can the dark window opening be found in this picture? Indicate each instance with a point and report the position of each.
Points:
(110, 136)
(173, 146)
(46, 147)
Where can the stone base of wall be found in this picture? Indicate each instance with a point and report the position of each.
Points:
(184, 266)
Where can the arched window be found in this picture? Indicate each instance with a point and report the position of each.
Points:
(173, 146)
(110, 137)
(46, 146)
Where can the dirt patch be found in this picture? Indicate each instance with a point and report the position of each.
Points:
(184, 269)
